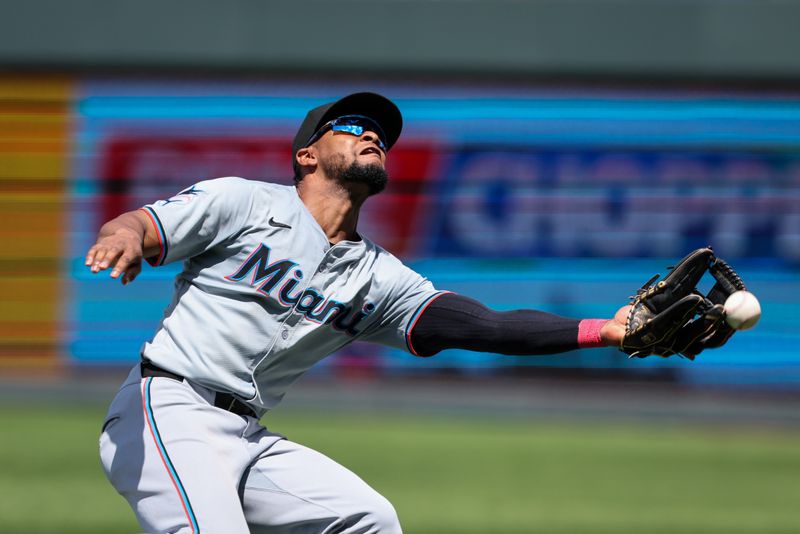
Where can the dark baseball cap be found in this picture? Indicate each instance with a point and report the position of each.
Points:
(371, 105)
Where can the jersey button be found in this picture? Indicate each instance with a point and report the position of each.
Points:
(284, 333)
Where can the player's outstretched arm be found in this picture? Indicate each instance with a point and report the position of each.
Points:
(121, 244)
(455, 321)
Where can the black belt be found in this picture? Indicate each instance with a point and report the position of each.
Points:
(226, 401)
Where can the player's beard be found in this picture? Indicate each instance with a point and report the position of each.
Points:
(373, 175)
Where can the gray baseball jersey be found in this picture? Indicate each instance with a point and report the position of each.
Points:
(263, 295)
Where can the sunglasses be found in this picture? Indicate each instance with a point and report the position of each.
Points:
(352, 124)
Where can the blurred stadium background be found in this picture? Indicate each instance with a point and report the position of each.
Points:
(555, 155)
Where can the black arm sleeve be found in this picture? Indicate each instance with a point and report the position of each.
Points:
(457, 322)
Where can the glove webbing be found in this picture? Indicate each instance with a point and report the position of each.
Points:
(728, 281)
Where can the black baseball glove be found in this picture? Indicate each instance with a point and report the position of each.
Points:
(673, 317)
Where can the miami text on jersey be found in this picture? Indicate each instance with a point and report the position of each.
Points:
(309, 302)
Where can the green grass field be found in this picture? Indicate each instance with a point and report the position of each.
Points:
(455, 475)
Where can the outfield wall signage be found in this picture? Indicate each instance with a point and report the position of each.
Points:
(542, 191)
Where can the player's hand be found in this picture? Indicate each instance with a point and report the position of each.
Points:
(121, 251)
(614, 330)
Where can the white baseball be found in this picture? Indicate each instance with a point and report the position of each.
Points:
(742, 310)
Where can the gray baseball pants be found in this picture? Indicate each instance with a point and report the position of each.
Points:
(186, 466)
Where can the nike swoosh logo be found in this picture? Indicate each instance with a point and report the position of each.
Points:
(276, 224)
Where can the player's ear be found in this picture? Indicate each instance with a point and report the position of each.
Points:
(306, 157)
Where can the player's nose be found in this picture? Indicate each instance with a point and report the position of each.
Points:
(371, 137)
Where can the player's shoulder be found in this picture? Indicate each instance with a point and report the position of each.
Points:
(389, 273)
(380, 255)
(372, 248)
(236, 186)
(234, 182)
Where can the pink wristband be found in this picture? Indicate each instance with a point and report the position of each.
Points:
(589, 333)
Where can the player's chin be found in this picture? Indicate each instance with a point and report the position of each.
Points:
(371, 173)
(372, 158)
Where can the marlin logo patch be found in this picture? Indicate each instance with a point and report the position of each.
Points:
(184, 197)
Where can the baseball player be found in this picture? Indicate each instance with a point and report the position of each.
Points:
(274, 279)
